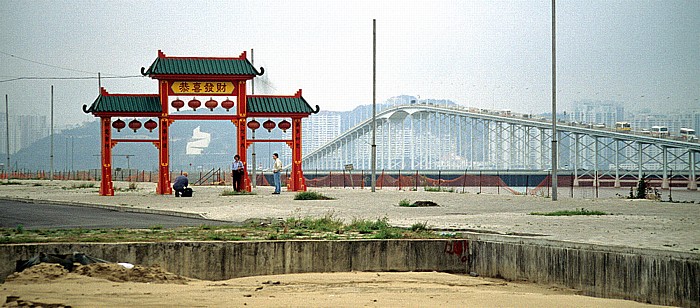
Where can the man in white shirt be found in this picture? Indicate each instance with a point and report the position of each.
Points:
(237, 173)
(276, 170)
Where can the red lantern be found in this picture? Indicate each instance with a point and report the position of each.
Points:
(194, 104)
(211, 104)
(228, 104)
(134, 124)
(177, 104)
(284, 125)
(253, 125)
(269, 125)
(119, 124)
(150, 125)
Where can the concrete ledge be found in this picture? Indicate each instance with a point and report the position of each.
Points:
(657, 277)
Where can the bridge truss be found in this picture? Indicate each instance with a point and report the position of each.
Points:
(437, 137)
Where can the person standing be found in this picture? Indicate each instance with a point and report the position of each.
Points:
(276, 170)
(237, 173)
(180, 184)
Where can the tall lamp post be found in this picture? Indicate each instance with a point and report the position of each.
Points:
(374, 104)
(7, 135)
(554, 107)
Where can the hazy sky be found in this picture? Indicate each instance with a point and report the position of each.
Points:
(477, 53)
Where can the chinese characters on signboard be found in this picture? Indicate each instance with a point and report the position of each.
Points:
(202, 87)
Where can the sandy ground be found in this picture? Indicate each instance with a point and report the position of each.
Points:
(634, 223)
(112, 286)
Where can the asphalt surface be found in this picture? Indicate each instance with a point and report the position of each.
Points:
(53, 216)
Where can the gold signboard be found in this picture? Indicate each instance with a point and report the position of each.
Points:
(202, 87)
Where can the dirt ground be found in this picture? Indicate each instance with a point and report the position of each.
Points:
(111, 285)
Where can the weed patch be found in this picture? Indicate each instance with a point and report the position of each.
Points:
(576, 212)
(311, 195)
(438, 189)
(229, 192)
(10, 183)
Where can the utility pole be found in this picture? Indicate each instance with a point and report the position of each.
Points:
(7, 135)
(51, 171)
(374, 105)
(554, 106)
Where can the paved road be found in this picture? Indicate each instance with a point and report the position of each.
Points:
(45, 216)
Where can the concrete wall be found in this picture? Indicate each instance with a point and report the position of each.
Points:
(659, 277)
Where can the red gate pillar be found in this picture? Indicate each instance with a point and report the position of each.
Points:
(241, 141)
(163, 186)
(297, 182)
(106, 188)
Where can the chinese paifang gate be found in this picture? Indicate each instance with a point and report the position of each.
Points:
(199, 76)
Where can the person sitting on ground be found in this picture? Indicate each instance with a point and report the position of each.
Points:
(180, 184)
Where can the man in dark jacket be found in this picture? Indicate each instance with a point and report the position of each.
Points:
(180, 184)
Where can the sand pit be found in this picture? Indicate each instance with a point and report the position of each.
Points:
(100, 285)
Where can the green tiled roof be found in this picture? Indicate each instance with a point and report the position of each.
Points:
(200, 66)
(279, 104)
(125, 103)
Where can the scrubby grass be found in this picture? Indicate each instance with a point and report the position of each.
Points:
(80, 186)
(230, 192)
(581, 211)
(324, 224)
(438, 189)
(327, 227)
(420, 226)
(311, 195)
(364, 226)
(10, 183)
(406, 203)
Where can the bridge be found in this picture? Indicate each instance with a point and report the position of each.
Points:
(452, 137)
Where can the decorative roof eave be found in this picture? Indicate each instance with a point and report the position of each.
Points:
(105, 95)
(161, 55)
(100, 114)
(277, 115)
(296, 95)
(200, 77)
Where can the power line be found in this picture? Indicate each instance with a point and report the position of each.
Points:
(50, 65)
(45, 64)
(69, 78)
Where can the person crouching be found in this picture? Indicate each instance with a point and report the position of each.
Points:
(180, 184)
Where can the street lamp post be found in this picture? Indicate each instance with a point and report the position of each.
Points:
(7, 133)
(554, 107)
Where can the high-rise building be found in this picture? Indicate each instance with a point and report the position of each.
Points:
(320, 129)
(31, 129)
(597, 112)
(24, 130)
